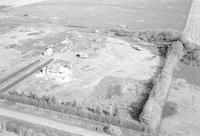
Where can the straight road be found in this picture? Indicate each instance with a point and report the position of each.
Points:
(48, 123)
(18, 72)
(23, 73)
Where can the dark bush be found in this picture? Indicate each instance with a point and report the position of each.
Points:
(167, 35)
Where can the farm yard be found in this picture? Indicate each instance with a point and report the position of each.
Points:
(88, 82)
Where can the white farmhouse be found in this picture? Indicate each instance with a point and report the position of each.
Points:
(59, 72)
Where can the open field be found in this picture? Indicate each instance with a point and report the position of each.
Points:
(103, 73)
(141, 14)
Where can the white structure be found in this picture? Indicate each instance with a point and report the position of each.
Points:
(48, 52)
(57, 72)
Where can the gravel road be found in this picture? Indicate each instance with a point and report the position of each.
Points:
(48, 123)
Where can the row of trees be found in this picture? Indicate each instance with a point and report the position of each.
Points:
(50, 102)
(157, 36)
(154, 106)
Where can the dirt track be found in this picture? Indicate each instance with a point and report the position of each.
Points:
(48, 123)
(11, 81)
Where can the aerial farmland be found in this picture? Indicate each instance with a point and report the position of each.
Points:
(99, 68)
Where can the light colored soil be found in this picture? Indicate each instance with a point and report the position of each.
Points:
(182, 114)
(23, 44)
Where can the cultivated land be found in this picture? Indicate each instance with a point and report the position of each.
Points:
(142, 14)
(103, 73)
